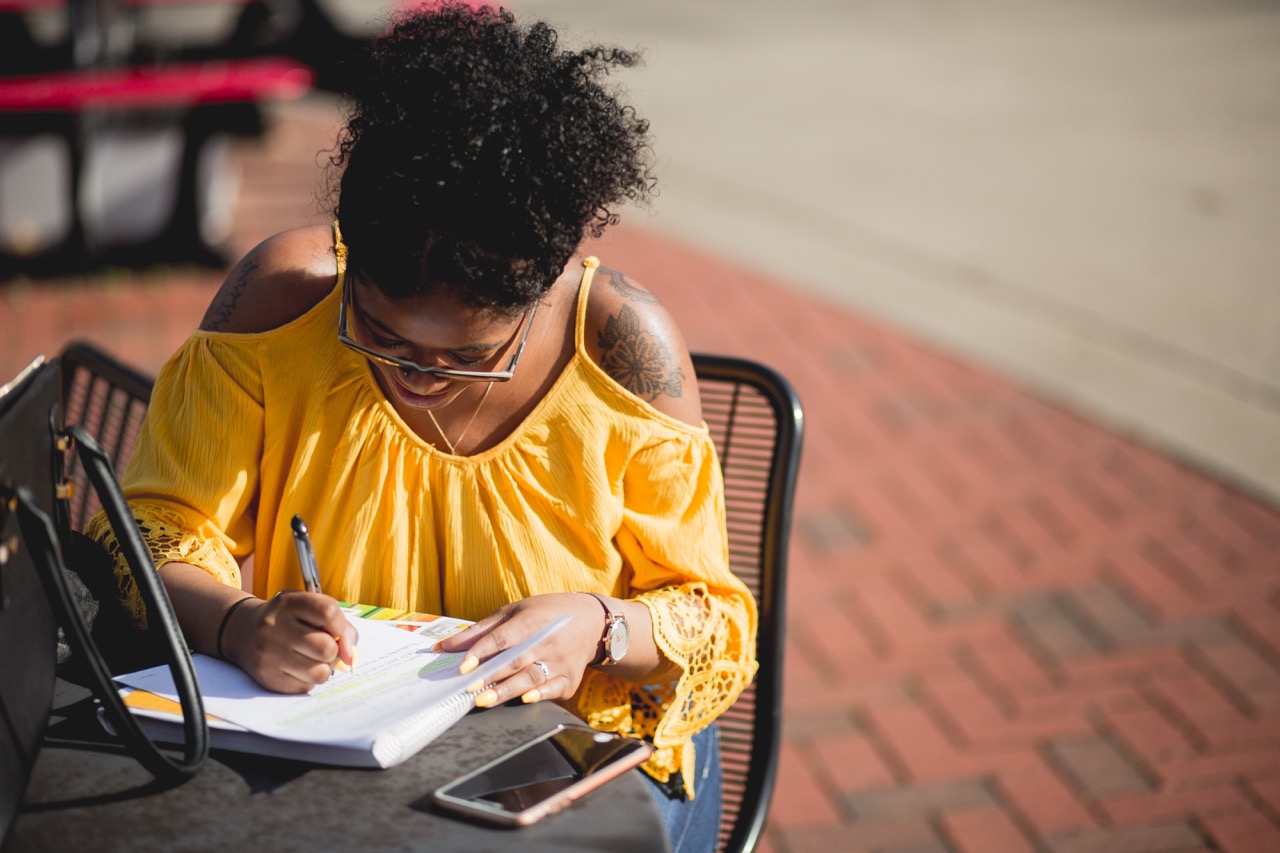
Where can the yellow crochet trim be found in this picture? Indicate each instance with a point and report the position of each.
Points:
(165, 531)
(712, 641)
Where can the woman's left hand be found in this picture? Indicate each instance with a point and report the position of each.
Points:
(565, 655)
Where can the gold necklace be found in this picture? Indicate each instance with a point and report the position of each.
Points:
(452, 444)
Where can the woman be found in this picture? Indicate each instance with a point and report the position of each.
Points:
(471, 421)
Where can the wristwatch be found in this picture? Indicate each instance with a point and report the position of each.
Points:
(616, 633)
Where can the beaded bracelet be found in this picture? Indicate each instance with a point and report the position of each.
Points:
(226, 617)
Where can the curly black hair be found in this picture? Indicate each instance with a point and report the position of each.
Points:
(478, 154)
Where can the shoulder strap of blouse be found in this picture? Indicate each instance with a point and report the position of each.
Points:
(339, 253)
(589, 265)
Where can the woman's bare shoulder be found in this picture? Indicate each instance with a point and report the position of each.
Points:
(635, 340)
(279, 280)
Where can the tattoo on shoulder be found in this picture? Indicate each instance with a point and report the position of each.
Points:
(628, 288)
(224, 302)
(637, 359)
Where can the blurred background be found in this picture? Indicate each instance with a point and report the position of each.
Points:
(1019, 258)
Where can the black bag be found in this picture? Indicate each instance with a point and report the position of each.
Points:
(38, 592)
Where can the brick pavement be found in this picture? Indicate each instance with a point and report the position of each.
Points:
(1010, 628)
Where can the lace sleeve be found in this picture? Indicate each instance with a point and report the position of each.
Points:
(712, 639)
(171, 537)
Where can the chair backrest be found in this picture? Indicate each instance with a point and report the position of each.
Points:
(108, 399)
(757, 424)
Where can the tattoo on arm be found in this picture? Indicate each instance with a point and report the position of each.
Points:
(224, 303)
(637, 359)
(628, 288)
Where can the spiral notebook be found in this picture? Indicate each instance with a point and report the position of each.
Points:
(402, 696)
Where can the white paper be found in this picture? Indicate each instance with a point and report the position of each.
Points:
(398, 676)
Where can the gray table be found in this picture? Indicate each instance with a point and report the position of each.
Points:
(82, 797)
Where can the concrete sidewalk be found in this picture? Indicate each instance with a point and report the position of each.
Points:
(1010, 628)
(1084, 196)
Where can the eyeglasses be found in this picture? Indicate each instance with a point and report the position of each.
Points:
(444, 372)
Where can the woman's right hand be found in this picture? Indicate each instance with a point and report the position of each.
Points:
(292, 642)
(288, 644)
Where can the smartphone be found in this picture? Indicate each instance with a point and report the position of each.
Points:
(542, 776)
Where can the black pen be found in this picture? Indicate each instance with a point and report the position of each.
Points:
(311, 580)
(306, 555)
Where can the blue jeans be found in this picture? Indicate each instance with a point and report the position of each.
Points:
(693, 826)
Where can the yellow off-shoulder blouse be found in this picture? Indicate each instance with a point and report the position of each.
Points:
(595, 491)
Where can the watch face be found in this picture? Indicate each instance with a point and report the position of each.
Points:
(619, 637)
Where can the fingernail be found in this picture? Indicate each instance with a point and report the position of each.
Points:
(487, 698)
(355, 657)
(469, 663)
(532, 696)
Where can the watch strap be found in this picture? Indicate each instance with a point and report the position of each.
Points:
(612, 617)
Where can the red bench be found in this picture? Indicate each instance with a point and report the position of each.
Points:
(123, 162)
(157, 87)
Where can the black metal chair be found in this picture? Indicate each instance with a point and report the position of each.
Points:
(108, 399)
(757, 424)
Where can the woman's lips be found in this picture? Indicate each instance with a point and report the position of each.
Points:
(417, 401)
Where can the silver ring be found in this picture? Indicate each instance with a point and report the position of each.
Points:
(546, 673)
